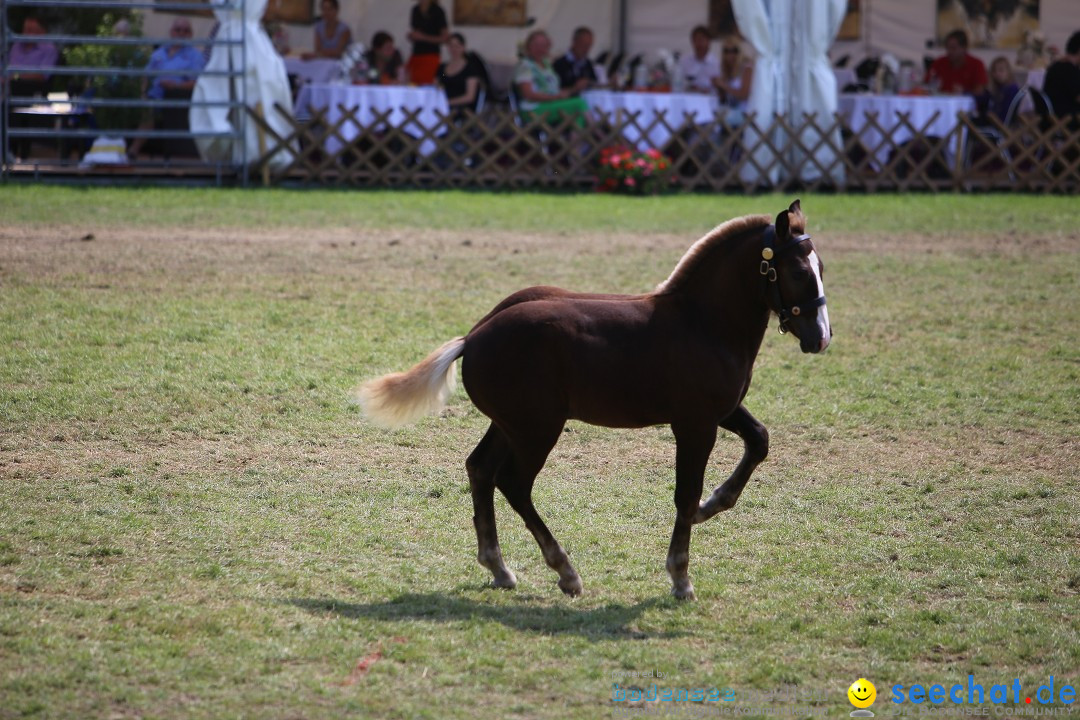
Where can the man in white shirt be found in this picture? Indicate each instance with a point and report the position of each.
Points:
(701, 67)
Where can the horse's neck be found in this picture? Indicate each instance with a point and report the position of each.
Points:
(726, 282)
(728, 273)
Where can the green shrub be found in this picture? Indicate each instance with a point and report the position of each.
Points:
(108, 85)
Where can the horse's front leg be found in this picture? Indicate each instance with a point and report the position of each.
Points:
(756, 441)
(693, 445)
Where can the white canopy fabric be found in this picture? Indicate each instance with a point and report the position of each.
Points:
(792, 78)
(265, 83)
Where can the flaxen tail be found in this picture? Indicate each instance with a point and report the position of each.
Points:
(401, 398)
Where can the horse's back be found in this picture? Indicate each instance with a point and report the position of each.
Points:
(543, 293)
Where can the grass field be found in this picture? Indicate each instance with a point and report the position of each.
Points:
(194, 522)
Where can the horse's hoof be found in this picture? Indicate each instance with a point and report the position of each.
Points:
(685, 592)
(571, 586)
(505, 580)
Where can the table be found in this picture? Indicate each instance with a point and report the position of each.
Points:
(317, 70)
(336, 98)
(668, 111)
(58, 114)
(853, 107)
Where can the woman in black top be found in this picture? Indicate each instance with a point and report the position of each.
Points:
(459, 77)
(428, 29)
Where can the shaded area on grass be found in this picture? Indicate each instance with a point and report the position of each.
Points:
(610, 622)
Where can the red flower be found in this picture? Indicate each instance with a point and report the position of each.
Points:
(632, 171)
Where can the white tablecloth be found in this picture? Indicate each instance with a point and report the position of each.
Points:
(675, 109)
(920, 109)
(369, 99)
(318, 70)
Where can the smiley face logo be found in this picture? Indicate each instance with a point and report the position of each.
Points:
(862, 693)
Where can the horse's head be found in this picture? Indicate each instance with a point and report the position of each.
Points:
(793, 272)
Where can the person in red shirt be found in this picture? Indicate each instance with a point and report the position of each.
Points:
(957, 72)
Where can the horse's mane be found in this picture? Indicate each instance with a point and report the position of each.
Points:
(714, 238)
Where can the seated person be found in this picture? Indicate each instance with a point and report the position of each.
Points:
(700, 67)
(385, 66)
(186, 61)
(27, 84)
(459, 77)
(1000, 92)
(575, 65)
(1062, 82)
(32, 54)
(957, 72)
(537, 85)
(331, 35)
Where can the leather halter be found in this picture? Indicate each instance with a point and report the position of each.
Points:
(769, 254)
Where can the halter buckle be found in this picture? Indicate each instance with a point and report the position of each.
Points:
(768, 270)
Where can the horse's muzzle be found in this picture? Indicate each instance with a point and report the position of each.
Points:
(815, 345)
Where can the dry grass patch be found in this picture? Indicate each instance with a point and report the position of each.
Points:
(194, 522)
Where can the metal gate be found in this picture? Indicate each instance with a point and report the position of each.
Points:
(46, 132)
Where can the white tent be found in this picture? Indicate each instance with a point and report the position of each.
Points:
(900, 27)
(792, 78)
(264, 85)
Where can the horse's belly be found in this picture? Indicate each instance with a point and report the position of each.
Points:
(614, 416)
(619, 393)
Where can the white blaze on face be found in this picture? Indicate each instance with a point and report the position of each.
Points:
(823, 312)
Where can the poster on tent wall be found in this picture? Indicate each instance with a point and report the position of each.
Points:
(851, 27)
(999, 24)
(505, 13)
(290, 11)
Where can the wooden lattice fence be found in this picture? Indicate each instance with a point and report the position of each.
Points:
(498, 149)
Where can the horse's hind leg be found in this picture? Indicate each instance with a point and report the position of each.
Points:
(693, 443)
(515, 479)
(756, 441)
(481, 466)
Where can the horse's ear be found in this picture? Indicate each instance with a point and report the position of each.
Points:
(783, 225)
(796, 208)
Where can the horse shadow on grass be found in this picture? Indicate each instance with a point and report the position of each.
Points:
(525, 613)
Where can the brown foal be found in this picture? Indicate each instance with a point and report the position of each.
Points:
(681, 355)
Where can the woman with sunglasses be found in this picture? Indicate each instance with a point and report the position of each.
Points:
(736, 75)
